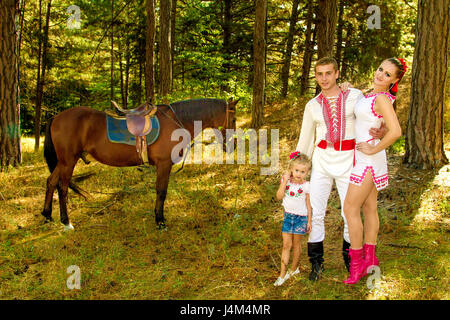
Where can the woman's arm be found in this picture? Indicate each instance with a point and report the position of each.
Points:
(383, 106)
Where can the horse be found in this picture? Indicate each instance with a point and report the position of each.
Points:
(79, 130)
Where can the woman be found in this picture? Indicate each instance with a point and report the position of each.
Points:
(370, 173)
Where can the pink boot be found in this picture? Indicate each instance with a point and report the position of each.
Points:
(370, 258)
(356, 265)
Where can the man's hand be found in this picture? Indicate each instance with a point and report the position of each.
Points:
(380, 132)
(345, 85)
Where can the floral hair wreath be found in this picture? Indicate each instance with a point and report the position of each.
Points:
(403, 62)
(294, 155)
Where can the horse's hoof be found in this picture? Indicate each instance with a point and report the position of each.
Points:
(162, 226)
(68, 227)
(48, 219)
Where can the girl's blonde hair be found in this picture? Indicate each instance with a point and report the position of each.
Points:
(298, 158)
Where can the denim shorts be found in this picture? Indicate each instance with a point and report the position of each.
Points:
(294, 224)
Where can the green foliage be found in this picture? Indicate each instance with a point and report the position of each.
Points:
(205, 65)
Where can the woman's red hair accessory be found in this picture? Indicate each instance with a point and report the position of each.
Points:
(403, 62)
(404, 67)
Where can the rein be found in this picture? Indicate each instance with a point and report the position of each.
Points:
(177, 122)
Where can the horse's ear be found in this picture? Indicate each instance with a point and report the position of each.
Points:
(231, 103)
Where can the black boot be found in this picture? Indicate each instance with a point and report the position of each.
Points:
(315, 254)
(345, 248)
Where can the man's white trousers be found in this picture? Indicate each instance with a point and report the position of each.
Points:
(320, 188)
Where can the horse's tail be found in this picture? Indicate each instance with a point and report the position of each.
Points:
(52, 160)
(49, 149)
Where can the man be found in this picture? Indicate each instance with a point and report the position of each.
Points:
(327, 134)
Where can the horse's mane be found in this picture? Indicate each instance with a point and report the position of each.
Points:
(198, 109)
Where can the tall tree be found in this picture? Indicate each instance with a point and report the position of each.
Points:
(112, 52)
(309, 48)
(173, 21)
(9, 116)
(344, 58)
(326, 27)
(164, 48)
(227, 22)
(42, 67)
(149, 49)
(424, 133)
(259, 65)
(289, 45)
(340, 28)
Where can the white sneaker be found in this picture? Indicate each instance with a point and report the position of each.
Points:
(280, 280)
(293, 273)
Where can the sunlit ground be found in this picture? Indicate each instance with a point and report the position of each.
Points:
(223, 239)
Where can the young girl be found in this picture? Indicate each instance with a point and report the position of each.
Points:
(370, 173)
(294, 191)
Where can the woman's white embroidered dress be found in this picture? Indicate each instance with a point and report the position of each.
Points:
(367, 118)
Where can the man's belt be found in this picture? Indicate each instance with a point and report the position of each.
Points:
(344, 145)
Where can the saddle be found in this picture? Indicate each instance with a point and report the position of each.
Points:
(139, 124)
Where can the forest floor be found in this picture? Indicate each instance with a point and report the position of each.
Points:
(224, 231)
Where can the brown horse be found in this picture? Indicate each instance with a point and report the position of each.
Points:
(80, 130)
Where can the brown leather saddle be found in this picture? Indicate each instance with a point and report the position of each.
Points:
(139, 124)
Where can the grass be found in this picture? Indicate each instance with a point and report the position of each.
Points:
(223, 239)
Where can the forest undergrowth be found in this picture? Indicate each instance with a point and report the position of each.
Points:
(223, 239)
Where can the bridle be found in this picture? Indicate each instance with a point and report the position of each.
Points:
(228, 111)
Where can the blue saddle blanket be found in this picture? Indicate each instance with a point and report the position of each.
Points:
(117, 131)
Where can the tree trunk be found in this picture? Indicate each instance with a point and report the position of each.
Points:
(259, 44)
(41, 74)
(164, 45)
(289, 44)
(149, 49)
(127, 71)
(344, 64)
(309, 49)
(425, 130)
(339, 32)
(38, 77)
(9, 116)
(21, 19)
(139, 92)
(173, 20)
(227, 20)
(326, 27)
(122, 86)
(112, 52)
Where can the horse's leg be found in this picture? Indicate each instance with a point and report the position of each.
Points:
(52, 182)
(63, 187)
(162, 182)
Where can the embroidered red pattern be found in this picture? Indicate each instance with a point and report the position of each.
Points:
(380, 181)
(390, 96)
(334, 121)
